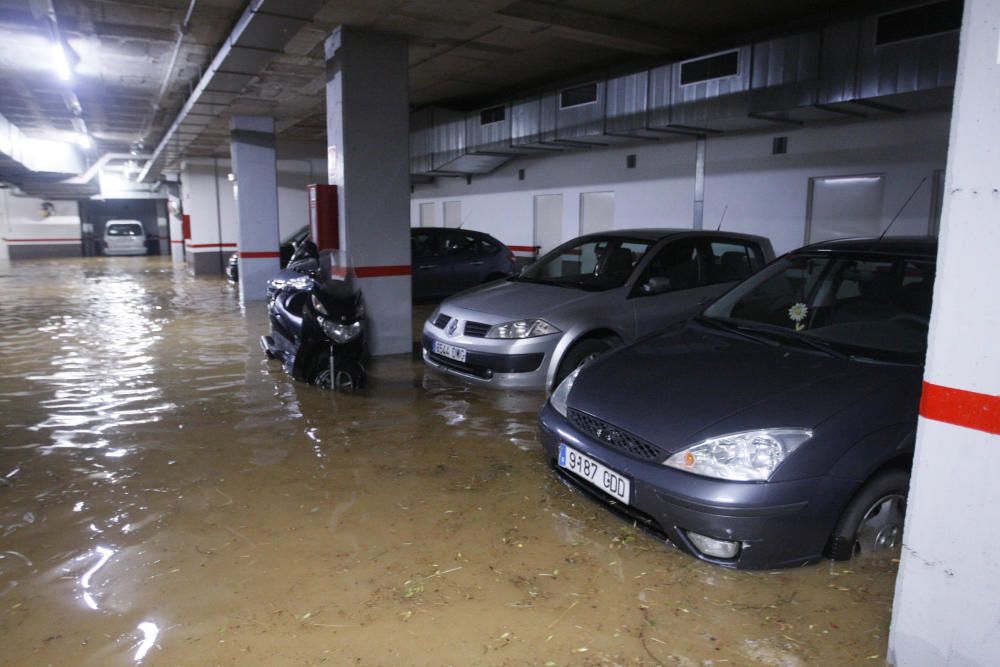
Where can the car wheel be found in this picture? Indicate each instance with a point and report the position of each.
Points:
(873, 521)
(582, 353)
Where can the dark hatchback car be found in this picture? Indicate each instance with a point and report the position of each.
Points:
(444, 261)
(286, 248)
(776, 427)
(448, 260)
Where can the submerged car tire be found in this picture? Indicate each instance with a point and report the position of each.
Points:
(580, 354)
(873, 521)
(347, 375)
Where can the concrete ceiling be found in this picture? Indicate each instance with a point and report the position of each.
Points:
(129, 85)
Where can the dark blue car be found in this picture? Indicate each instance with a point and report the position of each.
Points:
(446, 261)
(775, 428)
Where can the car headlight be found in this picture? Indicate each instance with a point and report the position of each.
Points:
(318, 305)
(340, 333)
(748, 456)
(522, 329)
(559, 396)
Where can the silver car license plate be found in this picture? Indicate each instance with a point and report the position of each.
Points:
(598, 474)
(450, 351)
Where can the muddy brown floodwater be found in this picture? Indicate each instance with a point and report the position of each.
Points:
(168, 497)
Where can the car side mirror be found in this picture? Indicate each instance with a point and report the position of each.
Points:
(656, 285)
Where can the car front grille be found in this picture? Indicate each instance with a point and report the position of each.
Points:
(442, 321)
(615, 437)
(476, 329)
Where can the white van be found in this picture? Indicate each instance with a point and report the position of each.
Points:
(124, 237)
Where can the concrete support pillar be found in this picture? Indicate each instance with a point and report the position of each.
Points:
(367, 126)
(946, 610)
(175, 221)
(209, 209)
(256, 173)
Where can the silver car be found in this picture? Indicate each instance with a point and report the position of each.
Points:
(581, 299)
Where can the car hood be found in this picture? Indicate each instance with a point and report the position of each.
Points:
(516, 300)
(691, 383)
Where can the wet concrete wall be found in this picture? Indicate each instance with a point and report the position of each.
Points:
(30, 229)
(208, 196)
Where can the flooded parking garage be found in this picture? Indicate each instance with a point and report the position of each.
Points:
(169, 497)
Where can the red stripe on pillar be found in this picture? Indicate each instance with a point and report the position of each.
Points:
(42, 240)
(522, 248)
(961, 408)
(259, 255)
(382, 271)
(212, 245)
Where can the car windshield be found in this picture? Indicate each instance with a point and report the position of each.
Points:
(124, 230)
(593, 263)
(871, 306)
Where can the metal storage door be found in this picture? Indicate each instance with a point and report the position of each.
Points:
(453, 214)
(548, 222)
(844, 207)
(427, 215)
(597, 212)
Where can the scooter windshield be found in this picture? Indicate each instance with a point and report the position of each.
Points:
(337, 272)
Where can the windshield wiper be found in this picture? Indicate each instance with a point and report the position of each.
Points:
(732, 327)
(542, 281)
(793, 337)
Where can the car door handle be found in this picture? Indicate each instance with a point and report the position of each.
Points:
(427, 266)
(475, 263)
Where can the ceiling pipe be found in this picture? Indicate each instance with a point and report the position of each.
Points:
(101, 162)
(261, 33)
(182, 30)
(43, 10)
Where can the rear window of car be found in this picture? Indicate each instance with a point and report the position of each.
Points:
(121, 229)
(458, 243)
(732, 260)
(488, 247)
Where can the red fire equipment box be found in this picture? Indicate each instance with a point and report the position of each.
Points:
(324, 218)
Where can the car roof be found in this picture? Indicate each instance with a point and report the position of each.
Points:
(123, 222)
(658, 233)
(890, 245)
(436, 230)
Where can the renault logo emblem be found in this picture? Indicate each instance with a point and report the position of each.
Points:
(452, 328)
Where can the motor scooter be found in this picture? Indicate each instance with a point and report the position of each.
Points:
(317, 317)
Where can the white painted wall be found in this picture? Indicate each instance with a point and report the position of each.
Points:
(208, 197)
(22, 222)
(765, 194)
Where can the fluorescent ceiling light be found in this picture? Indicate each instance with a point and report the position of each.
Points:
(84, 141)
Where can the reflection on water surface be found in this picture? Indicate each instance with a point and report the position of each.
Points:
(169, 497)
